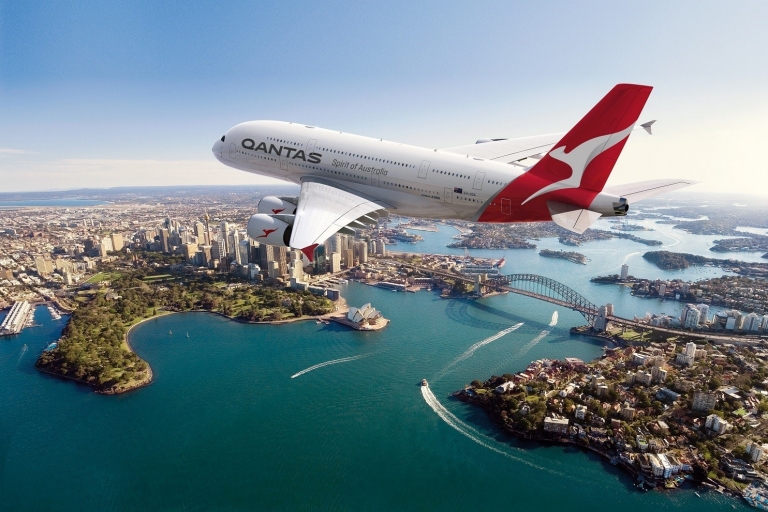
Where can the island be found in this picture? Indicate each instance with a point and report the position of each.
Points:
(575, 257)
(664, 411)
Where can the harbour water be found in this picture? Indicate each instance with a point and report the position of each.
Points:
(224, 426)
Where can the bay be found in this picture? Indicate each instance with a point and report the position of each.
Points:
(225, 427)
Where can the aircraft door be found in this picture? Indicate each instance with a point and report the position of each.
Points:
(479, 179)
(310, 146)
(374, 180)
(233, 151)
(506, 207)
(283, 163)
(424, 169)
(448, 197)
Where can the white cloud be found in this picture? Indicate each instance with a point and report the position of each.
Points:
(10, 151)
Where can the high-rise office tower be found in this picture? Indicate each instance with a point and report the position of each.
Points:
(224, 235)
(165, 240)
(243, 252)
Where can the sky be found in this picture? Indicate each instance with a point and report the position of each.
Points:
(129, 93)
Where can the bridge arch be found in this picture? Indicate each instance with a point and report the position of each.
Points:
(540, 287)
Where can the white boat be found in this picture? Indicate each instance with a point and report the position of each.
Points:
(424, 382)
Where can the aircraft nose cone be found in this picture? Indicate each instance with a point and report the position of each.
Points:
(217, 148)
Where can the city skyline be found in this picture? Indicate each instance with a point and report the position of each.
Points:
(108, 95)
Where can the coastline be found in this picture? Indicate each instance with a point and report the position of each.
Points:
(148, 375)
(544, 440)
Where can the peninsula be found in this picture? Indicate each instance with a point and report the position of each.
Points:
(664, 411)
(94, 347)
(667, 260)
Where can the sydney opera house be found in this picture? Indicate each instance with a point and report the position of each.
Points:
(366, 315)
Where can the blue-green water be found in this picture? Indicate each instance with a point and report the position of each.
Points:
(225, 427)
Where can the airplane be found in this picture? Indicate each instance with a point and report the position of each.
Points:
(347, 180)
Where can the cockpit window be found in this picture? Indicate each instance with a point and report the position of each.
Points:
(222, 138)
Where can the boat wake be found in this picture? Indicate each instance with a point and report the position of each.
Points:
(24, 350)
(471, 350)
(470, 432)
(626, 258)
(528, 346)
(553, 322)
(328, 363)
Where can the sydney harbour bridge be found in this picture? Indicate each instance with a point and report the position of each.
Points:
(548, 290)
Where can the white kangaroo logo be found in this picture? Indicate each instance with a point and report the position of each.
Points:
(579, 158)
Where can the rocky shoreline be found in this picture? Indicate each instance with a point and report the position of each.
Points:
(614, 407)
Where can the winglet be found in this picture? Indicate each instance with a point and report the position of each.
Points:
(647, 126)
(309, 252)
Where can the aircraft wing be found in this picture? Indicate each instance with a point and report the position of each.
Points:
(325, 208)
(634, 192)
(509, 150)
(514, 150)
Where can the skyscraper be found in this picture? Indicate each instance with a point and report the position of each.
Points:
(335, 262)
(224, 235)
(624, 272)
(165, 237)
(233, 242)
(117, 241)
(200, 232)
(348, 258)
(243, 252)
(361, 252)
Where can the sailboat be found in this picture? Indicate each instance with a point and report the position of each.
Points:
(187, 335)
(170, 332)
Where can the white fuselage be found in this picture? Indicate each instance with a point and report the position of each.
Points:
(410, 180)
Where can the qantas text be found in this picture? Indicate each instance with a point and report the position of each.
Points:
(292, 153)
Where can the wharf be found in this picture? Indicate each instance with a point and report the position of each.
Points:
(20, 316)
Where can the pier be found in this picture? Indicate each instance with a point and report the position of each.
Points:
(18, 318)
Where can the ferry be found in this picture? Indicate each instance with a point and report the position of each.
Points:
(500, 263)
(424, 382)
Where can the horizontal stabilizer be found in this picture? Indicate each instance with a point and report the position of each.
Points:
(572, 217)
(647, 126)
(634, 192)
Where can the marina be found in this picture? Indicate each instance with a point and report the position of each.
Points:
(54, 312)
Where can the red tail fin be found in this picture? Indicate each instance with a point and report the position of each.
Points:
(578, 166)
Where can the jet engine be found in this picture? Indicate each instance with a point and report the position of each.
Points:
(270, 229)
(272, 205)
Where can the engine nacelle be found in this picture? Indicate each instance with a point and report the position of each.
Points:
(267, 229)
(272, 205)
